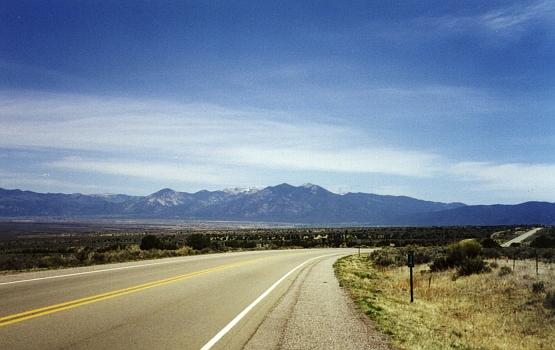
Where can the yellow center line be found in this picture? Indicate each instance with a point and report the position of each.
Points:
(23, 316)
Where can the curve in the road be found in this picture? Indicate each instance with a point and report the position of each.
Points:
(246, 310)
(156, 306)
(23, 316)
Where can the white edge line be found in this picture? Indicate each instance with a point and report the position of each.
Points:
(183, 259)
(88, 272)
(242, 314)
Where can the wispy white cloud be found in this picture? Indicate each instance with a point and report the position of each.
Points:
(509, 180)
(510, 20)
(42, 182)
(514, 17)
(158, 170)
(214, 146)
(429, 101)
(382, 161)
(494, 25)
(302, 86)
(198, 134)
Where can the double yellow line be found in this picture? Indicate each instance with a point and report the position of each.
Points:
(23, 316)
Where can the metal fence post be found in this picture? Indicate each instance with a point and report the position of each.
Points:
(410, 264)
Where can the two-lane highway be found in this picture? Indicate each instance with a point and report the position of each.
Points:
(187, 303)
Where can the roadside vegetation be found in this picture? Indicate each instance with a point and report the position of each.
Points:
(544, 239)
(25, 246)
(463, 298)
(507, 234)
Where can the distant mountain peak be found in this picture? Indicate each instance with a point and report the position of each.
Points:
(284, 185)
(163, 192)
(314, 188)
(166, 197)
(307, 203)
(240, 190)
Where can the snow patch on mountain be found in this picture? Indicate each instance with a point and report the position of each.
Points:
(166, 198)
(241, 190)
(312, 187)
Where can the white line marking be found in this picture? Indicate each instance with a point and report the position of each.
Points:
(242, 314)
(89, 272)
(112, 269)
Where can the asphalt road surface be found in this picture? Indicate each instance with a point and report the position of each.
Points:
(522, 237)
(214, 301)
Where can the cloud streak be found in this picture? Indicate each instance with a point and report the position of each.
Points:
(201, 134)
(516, 16)
(537, 180)
(508, 21)
(209, 145)
(189, 173)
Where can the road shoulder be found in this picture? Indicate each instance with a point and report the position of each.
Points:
(315, 313)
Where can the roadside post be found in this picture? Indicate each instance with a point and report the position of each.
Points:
(358, 244)
(537, 272)
(410, 264)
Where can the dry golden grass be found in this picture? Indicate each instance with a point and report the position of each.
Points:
(484, 311)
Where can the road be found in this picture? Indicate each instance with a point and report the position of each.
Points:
(212, 301)
(522, 237)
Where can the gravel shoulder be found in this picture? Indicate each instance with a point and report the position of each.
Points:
(315, 313)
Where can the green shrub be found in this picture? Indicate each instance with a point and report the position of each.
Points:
(549, 301)
(465, 252)
(150, 242)
(491, 253)
(538, 287)
(441, 263)
(544, 241)
(468, 248)
(504, 271)
(184, 251)
(397, 256)
(471, 266)
(82, 254)
(384, 260)
(489, 243)
(385, 257)
(98, 258)
(198, 241)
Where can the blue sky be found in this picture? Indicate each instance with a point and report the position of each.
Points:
(441, 100)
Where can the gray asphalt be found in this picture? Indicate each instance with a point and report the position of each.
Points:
(179, 314)
(522, 237)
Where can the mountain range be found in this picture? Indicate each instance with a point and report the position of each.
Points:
(307, 204)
